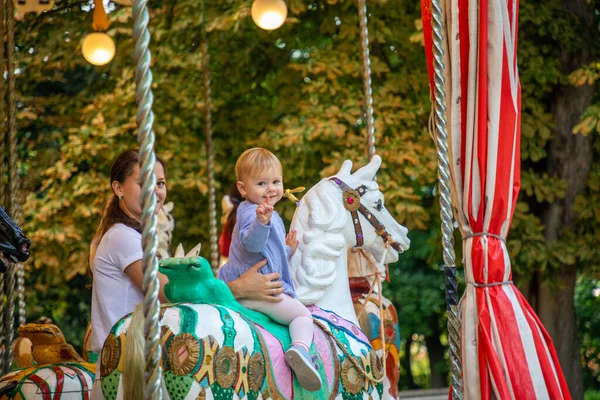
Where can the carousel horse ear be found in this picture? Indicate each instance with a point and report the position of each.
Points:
(346, 168)
(168, 207)
(368, 172)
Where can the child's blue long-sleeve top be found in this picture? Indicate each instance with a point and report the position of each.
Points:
(252, 241)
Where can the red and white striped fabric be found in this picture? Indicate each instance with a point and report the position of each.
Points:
(506, 352)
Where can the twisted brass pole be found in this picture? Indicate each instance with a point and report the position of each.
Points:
(3, 127)
(210, 159)
(446, 200)
(366, 73)
(145, 119)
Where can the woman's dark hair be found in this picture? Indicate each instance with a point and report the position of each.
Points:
(121, 169)
(236, 198)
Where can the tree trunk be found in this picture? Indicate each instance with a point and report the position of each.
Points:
(438, 366)
(570, 158)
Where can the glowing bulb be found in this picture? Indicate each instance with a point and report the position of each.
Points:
(269, 14)
(98, 48)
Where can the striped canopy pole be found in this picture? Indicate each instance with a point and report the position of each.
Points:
(506, 352)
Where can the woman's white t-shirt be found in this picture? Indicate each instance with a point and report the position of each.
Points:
(113, 294)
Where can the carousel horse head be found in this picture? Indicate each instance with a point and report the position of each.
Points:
(14, 246)
(343, 211)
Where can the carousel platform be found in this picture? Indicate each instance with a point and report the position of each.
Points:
(428, 394)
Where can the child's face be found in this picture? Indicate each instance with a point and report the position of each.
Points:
(266, 187)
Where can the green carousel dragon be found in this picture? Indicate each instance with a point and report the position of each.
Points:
(214, 348)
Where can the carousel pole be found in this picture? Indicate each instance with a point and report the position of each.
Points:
(210, 159)
(366, 72)
(145, 119)
(13, 154)
(14, 274)
(2, 157)
(441, 138)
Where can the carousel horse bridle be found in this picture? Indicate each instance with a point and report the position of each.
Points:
(352, 203)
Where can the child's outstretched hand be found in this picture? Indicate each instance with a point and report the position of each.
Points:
(264, 212)
(291, 241)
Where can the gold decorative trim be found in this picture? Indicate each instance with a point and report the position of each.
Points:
(110, 355)
(183, 353)
(242, 379)
(351, 377)
(226, 367)
(376, 365)
(351, 199)
(209, 347)
(256, 372)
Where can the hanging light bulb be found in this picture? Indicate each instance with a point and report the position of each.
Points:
(269, 14)
(98, 48)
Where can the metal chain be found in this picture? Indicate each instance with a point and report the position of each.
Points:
(366, 72)
(210, 159)
(145, 119)
(22, 316)
(446, 200)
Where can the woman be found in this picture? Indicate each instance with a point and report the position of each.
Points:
(116, 256)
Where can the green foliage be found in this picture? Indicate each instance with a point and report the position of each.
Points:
(297, 91)
(592, 395)
(587, 304)
(546, 28)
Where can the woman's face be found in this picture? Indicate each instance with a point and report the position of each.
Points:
(129, 192)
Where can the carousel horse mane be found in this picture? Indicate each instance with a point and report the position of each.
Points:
(14, 245)
(314, 262)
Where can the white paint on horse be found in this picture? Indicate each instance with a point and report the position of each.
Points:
(325, 232)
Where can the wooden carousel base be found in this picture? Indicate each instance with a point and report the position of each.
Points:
(427, 394)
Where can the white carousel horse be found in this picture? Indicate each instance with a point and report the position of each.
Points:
(338, 213)
(333, 227)
(213, 347)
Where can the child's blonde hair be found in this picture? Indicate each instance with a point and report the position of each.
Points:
(254, 161)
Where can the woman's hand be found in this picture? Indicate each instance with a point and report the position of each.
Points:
(253, 285)
(291, 241)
